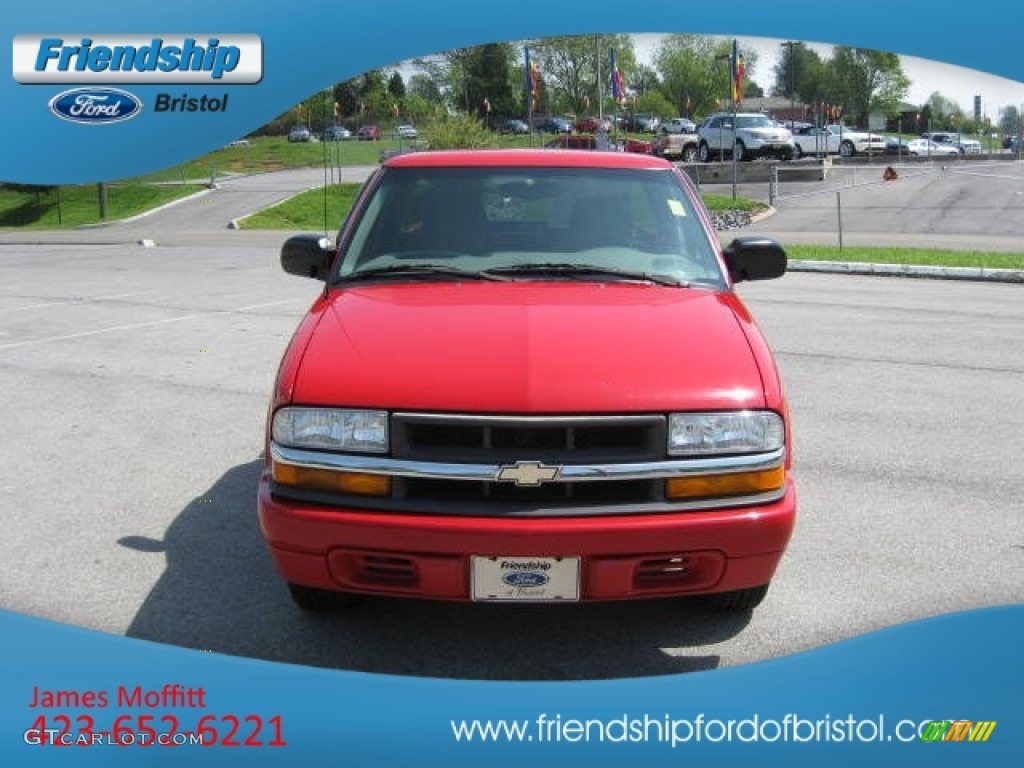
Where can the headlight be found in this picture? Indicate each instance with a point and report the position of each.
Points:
(702, 434)
(332, 429)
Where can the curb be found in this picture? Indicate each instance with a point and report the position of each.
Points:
(908, 270)
(150, 212)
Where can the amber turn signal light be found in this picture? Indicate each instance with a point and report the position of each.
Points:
(731, 484)
(336, 481)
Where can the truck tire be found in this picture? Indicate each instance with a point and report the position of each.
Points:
(797, 152)
(738, 600)
(703, 152)
(690, 153)
(846, 149)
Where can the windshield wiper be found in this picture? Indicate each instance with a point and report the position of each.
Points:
(403, 270)
(585, 272)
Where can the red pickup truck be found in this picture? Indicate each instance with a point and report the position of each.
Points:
(528, 377)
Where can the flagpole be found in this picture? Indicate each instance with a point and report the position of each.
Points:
(528, 88)
(735, 95)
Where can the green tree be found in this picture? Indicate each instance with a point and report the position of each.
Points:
(424, 87)
(575, 69)
(867, 81)
(488, 80)
(695, 71)
(802, 75)
(461, 75)
(655, 102)
(396, 86)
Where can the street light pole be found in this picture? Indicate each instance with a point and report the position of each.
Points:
(792, 76)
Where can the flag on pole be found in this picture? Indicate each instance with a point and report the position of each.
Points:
(618, 87)
(532, 81)
(738, 73)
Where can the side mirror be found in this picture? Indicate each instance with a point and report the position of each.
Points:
(307, 256)
(754, 258)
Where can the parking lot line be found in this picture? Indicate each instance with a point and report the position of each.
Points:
(77, 300)
(136, 326)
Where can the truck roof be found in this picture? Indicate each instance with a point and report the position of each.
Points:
(526, 157)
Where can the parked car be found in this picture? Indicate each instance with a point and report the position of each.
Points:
(369, 133)
(635, 146)
(853, 142)
(616, 429)
(575, 141)
(964, 145)
(756, 135)
(836, 140)
(553, 125)
(593, 124)
(514, 127)
(643, 122)
(929, 148)
(405, 132)
(337, 133)
(679, 125)
(814, 141)
(896, 146)
(299, 133)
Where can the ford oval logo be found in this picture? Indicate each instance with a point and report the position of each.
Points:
(525, 579)
(95, 105)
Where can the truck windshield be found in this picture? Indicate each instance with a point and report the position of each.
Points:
(609, 222)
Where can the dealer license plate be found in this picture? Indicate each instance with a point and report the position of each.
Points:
(526, 579)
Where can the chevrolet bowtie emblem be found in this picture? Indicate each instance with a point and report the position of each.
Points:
(528, 473)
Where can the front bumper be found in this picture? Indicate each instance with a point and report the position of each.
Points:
(622, 557)
(771, 149)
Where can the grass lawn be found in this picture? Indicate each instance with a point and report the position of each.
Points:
(69, 207)
(918, 256)
(727, 203)
(309, 212)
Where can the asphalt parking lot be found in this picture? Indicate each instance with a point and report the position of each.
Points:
(136, 381)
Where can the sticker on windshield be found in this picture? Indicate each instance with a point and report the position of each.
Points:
(676, 207)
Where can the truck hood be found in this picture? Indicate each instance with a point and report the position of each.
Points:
(530, 347)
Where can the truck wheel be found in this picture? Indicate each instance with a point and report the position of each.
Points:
(741, 152)
(797, 152)
(738, 600)
(315, 600)
(846, 149)
(703, 153)
(690, 154)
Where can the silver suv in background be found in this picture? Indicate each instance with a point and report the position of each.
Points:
(750, 133)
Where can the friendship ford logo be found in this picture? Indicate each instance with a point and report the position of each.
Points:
(107, 59)
(525, 579)
(95, 105)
